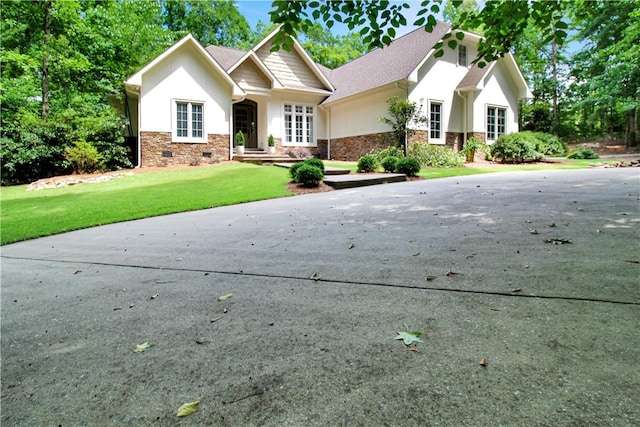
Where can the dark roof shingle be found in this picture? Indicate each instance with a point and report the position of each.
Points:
(225, 56)
(387, 65)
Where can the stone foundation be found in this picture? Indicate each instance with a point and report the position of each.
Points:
(351, 148)
(454, 140)
(156, 149)
(480, 135)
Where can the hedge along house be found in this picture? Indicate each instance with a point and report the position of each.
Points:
(190, 102)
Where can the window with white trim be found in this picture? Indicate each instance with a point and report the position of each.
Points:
(298, 124)
(189, 121)
(496, 122)
(435, 120)
(462, 55)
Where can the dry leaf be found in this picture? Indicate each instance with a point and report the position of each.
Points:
(133, 304)
(216, 319)
(224, 310)
(513, 291)
(415, 350)
(430, 278)
(155, 296)
(117, 308)
(188, 409)
(483, 362)
(351, 246)
(450, 273)
(633, 261)
(494, 309)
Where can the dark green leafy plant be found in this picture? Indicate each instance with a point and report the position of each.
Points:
(516, 148)
(583, 153)
(389, 163)
(314, 161)
(293, 170)
(271, 141)
(381, 153)
(367, 163)
(309, 175)
(408, 166)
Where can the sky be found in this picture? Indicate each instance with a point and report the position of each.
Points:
(253, 11)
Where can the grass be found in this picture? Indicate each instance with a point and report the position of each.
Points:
(31, 214)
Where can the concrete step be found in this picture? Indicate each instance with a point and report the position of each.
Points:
(328, 170)
(360, 180)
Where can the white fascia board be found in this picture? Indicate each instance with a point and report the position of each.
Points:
(136, 79)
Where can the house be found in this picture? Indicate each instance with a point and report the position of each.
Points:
(190, 102)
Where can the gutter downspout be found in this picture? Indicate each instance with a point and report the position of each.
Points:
(231, 135)
(464, 117)
(328, 112)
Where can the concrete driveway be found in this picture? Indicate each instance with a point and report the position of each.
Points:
(321, 285)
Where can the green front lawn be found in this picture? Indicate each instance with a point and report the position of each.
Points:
(30, 214)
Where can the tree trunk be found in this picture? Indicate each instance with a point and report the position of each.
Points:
(631, 134)
(45, 59)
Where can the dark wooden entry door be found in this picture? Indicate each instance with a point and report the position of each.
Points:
(245, 116)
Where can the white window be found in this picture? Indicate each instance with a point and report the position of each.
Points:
(298, 125)
(496, 122)
(462, 55)
(188, 121)
(435, 121)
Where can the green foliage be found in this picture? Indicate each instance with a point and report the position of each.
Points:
(271, 141)
(516, 147)
(309, 175)
(367, 163)
(314, 161)
(389, 163)
(435, 155)
(536, 115)
(548, 144)
(583, 153)
(83, 157)
(330, 50)
(408, 166)
(240, 138)
(293, 171)
(380, 153)
(405, 115)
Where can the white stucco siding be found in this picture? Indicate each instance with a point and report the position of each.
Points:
(184, 75)
(275, 115)
(500, 91)
(359, 115)
(437, 81)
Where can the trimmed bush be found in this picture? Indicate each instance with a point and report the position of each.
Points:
(367, 163)
(408, 166)
(309, 176)
(547, 144)
(516, 148)
(314, 161)
(435, 156)
(583, 153)
(389, 163)
(293, 171)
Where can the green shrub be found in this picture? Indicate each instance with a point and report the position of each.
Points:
(293, 170)
(548, 144)
(367, 163)
(314, 161)
(381, 153)
(583, 153)
(516, 147)
(83, 157)
(308, 175)
(389, 163)
(435, 155)
(408, 166)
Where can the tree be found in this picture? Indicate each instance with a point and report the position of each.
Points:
(329, 50)
(503, 22)
(211, 22)
(405, 116)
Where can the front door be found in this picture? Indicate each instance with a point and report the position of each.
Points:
(245, 116)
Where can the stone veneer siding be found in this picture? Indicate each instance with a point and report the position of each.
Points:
(351, 148)
(153, 144)
(454, 140)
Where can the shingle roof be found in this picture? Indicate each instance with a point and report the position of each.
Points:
(387, 65)
(473, 76)
(225, 56)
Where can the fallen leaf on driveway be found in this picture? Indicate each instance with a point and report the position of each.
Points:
(155, 296)
(409, 337)
(494, 309)
(483, 362)
(430, 278)
(225, 297)
(215, 319)
(351, 246)
(140, 348)
(533, 231)
(412, 348)
(558, 241)
(188, 409)
(633, 261)
(513, 291)
(451, 273)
